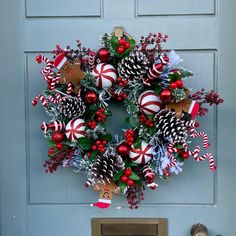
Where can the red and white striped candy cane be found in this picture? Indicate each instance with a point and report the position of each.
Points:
(52, 84)
(41, 98)
(49, 76)
(55, 100)
(149, 175)
(191, 124)
(166, 172)
(91, 59)
(203, 157)
(49, 64)
(164, 60)
(155, 71)
(171, 148)
(69, 88)
(89, 183)
(195, 134)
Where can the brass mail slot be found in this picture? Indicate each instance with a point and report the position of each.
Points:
(129, 227)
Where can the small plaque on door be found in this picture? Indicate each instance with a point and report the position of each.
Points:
(129, 227)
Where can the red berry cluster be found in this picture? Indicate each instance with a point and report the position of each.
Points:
(99, 145)
(176, 84)
(144, 120)
(125, 177)
(100, 115)
(120, 97)
(184, 154)
(129, 136)
(92, 124)
(123, 45)
(122, 82)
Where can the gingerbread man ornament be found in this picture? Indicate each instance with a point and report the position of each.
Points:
(70, 72)
(186, 105)
(106, 192)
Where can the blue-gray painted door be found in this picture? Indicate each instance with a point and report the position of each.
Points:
(35, 204)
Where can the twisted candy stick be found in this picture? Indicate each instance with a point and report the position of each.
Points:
(149, 175)
(195, 134)
(55, 126)
(91, 59)
(69, 88)
(157, 69)
(49, 64)
(54, 100)
(37, 98)
(203, 157)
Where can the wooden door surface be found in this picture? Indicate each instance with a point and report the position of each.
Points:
(35, 204)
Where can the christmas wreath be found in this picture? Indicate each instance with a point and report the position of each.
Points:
(149, 82)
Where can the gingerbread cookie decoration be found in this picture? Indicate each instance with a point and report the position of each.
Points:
(106, 192)
(199, 230)
(70, 72)
(186, 105)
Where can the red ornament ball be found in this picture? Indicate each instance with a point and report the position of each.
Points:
(128, 172)
(124, 179)
(173, 85)
(179, 83)
(57, 137)
(122, 41)
(91, 97)
(166, 95)
(123, 149)
(127, 45)
(185, 155)
(103, 54)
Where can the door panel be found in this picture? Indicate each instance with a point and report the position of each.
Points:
(34, 203)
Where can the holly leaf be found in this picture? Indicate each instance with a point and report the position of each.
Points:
(122, 185)
(138, 182)
(118, 175)
(85, 143)
(114, 42)
(134, 176)
(134, 121)
(107, 137)
(51, 143)
(137, 143)
(94, 154)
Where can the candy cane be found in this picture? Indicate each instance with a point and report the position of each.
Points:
(203, 157)
(37, 98)
(52, 84)
(166, 172)
(69, 88)
(149, 175)
(49, 64)
(92, 59)
(191, 124)
(195, 134)
(89, 183)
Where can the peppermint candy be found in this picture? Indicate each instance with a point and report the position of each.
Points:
(105, 75)
(75, 129)
(149, 103)
(141, 155)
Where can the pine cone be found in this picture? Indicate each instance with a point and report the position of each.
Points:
(171, 127)
(71, 107)
(135, 66)
(104, 168)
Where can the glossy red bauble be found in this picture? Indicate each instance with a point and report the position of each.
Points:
(173, 85)
(103, 54)
(130, 182)
(179, 83)
(123, 149)
(124, 179)
(127, 45)
(57, 137)
(128, 172)
(91, 97)
(166, 95)
(185, 155)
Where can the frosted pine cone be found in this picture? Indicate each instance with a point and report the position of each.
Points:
(170, 127)
(104, 168)
(135, 66)
(71, 107)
